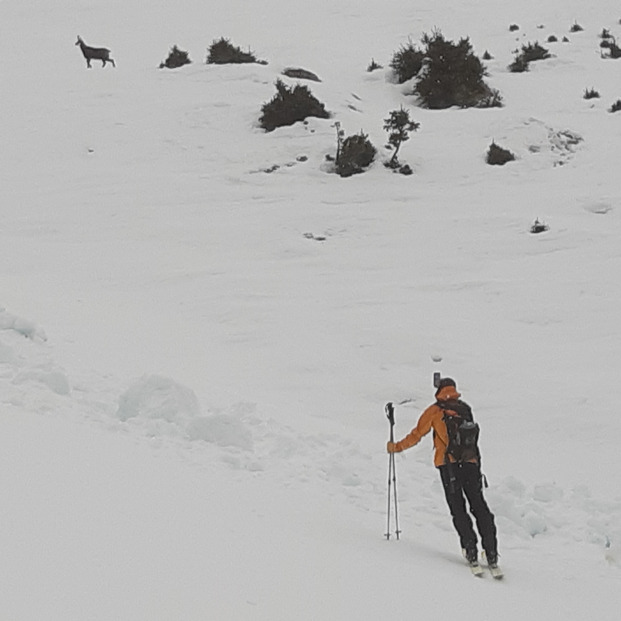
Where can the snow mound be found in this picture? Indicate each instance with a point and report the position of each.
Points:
(160, 401)
(28, 372)
(54, 379)
(22, 326)
(166, 408)
(548, 509)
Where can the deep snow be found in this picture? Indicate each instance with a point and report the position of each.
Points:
(192, 379)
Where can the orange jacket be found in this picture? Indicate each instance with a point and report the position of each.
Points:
(431, 418)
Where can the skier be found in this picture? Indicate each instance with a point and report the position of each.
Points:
(461, 481)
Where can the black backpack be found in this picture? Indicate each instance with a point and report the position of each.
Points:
(463, 432)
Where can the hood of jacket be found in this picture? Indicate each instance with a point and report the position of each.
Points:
(448, 393)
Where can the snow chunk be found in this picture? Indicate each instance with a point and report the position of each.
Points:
(55, 380)
(535, 523)
(221, 429)
(166, 408)
(158, 398)
(29, 329)
(27, 361)
(547, 492)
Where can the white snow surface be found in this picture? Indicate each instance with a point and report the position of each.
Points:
(195, 354)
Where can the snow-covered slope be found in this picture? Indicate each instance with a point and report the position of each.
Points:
(195, 353)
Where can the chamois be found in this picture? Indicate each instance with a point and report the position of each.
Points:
(97, 53)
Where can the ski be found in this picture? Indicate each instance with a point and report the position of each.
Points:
(496, 572)
(476, 569)
(494, 569)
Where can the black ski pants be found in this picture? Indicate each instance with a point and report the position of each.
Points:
(464, 482)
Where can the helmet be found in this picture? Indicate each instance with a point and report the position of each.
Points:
(447, 381)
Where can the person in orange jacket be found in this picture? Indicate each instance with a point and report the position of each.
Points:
(461, 481)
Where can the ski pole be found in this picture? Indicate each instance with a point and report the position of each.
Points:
(392, 474)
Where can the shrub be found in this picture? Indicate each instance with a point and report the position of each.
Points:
(576, 27)
(497, 156)
(613, 49)
(519, 64)
(493, 100)
(223, 52)
(176, 58)
(530, 53)
(452, 75)
(355, 153)
(552, 39)
(513, 27)
(533, 51)
(616, 106)
(487, 55)
(590, 93)
(373, 66)
(398, 125)
(289, 106)
(538, 226)
(407, 62)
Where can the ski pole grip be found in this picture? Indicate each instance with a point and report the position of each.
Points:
(390, 413)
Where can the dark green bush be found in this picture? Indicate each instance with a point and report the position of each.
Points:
(533, 51)
(492, 100)
(590, 93)
(452, 74)
(176, 58)
(223, 52)
(373, 66)
(289, 106)
(538, 227)
(398, 125)
(616, 106)
(497, 156)
(407, 62)
(355, 154)
(576, 27)
(613, 49)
